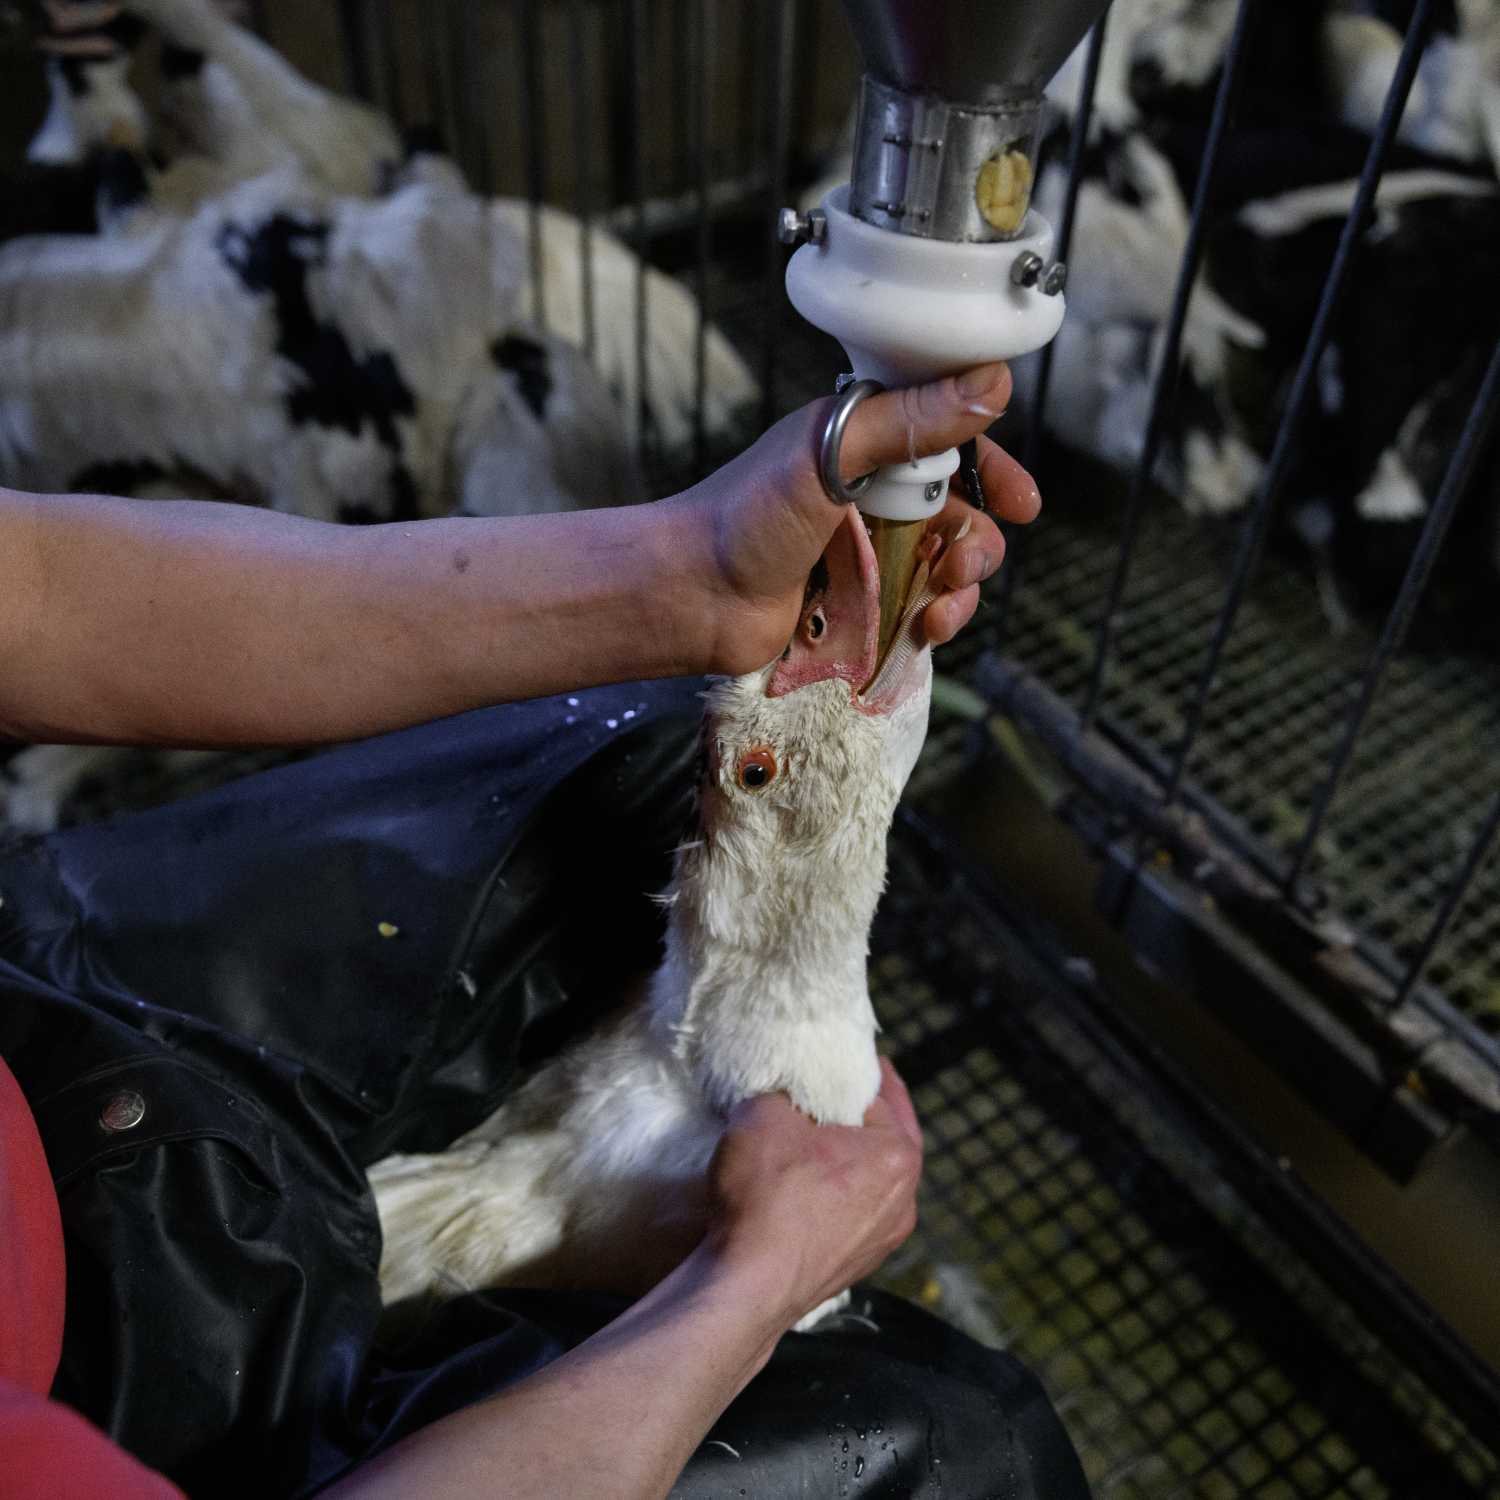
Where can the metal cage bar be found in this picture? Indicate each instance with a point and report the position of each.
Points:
(583, 184)
(780, 28)
(748, 52)
(1083, 114)
(440, 111)
(534, 151)
(356, 48)
(682, 77)
(1169, 370)
(451, 64)
(388, 72)
(635, 69)
(1479, 852)
(1456, 480)
(1253, 534)
(700, 51)
(468, 74)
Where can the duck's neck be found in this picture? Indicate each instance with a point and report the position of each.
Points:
(763, 987)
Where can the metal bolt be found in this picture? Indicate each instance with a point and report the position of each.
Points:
(793, 228)
(1055, 279)
(123, 1111)
(1028, 268)
(933, 490)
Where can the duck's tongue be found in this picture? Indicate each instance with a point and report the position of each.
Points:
(839, 632)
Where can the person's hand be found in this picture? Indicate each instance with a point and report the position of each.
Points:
(764, 519)
(814, 1208)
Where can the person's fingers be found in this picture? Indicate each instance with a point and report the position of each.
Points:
(764, 1112)
(897, 1102)
(897, 426)
(948, 614)
(1009, 490)
(974, 547)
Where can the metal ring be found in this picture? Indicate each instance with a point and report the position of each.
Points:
(832, 443)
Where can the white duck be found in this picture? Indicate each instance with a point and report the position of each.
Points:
(594, 1174)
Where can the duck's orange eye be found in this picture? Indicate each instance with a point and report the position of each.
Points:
(757, 768)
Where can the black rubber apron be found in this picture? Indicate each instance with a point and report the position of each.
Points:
(291, 977)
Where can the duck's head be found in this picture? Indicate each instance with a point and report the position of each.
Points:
(816, 746)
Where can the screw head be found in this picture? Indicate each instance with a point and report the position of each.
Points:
(933, 490)
(1055, 279)
(1027, 270)
(122, 1111)
(793, 228)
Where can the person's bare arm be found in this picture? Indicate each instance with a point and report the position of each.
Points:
(189, 623)
(804, 1210)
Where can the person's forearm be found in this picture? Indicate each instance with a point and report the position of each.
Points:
(619, 1416)
(207, 624)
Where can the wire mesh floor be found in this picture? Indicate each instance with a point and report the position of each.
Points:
(1070, 1216)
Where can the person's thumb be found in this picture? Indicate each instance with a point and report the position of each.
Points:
(897, 426)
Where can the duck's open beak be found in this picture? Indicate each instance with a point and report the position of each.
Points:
(837, 637)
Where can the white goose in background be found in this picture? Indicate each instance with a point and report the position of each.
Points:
(593, 1175)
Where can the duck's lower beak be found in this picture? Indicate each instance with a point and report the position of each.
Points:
(907, 663)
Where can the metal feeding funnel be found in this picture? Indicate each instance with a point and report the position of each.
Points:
(985, 52)
(949, 109)
(931, 261)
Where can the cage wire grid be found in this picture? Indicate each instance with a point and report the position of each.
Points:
(1072, 1216)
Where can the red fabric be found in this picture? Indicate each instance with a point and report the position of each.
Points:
(46, 1450)
(31, 1249)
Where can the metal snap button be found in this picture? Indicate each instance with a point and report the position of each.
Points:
(123, 1111)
